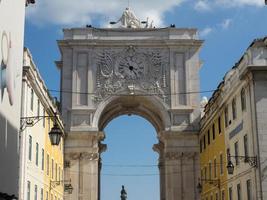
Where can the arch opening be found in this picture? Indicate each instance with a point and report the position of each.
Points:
(148, 107)
(130, 159)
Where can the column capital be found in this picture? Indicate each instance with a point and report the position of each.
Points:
(83, 156)
(173, 155)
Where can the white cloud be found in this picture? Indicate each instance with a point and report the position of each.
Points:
(205, 32)
(240, 3)
(81, 12)
(226, 23)
(207, 5)
(202, 5)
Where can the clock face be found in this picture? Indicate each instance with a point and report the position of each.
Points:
(131, 67)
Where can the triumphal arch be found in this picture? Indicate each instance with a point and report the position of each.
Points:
(131, 68)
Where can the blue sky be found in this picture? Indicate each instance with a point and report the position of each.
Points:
(227, 26)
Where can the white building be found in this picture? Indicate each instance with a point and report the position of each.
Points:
(11, 47)
(41, 164)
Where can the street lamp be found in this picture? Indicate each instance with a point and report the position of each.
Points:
(55, 133)
(230, 167)
(252, 161)
(67, 187)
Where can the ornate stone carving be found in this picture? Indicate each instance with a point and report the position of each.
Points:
(173, 155)
(180, 119)
(145, 69)
(80, 120)
(83, 156)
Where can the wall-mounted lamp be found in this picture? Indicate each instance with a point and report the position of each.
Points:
(67, 187)
(215, 182)
(252, 161)
(55, 133)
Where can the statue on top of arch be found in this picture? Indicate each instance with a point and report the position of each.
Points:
(129, 20)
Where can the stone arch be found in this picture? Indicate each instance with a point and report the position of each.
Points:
(149, 107)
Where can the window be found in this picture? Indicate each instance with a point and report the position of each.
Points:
(56, 171)
(210, 170)
(38, 107)
(208, 137)
(30, 147)
(243, 99)
(42, 193)
(234, 108)
(200, 145)
(62, 178)
(47, 164)
(46, 198)
(223, 195)
(213, 132)
(221, 163)
(43, 117)
(217, 196)
(228, 154)
(32, 94)
(205, 172)
(28, 190)
(35, 192)
(59, 173)
(215, 168)
(51, 197)
(249, 193)
(246, 146)
(49, 124)
(226, 116)
(236, 154)
(204, 141)
(238, 188)
(219, 125)
(230, 193)
(211, 197)
(42, 159)
(52, 168)
(36, 153)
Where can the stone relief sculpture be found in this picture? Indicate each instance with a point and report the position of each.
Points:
(138, 69)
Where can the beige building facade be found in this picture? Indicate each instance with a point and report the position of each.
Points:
(241, 99)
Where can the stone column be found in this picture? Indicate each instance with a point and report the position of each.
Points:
(159, 148)
(82, 152)
(181, 171)
(173, 176)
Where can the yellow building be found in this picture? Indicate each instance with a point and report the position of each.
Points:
(54, 165)
(41, 163)
(213, 181)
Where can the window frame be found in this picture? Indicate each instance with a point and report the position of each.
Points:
(37, 154)
(243, 99)
(30, 148)
(234, 111)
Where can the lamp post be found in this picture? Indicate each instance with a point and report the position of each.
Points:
(252, 161)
